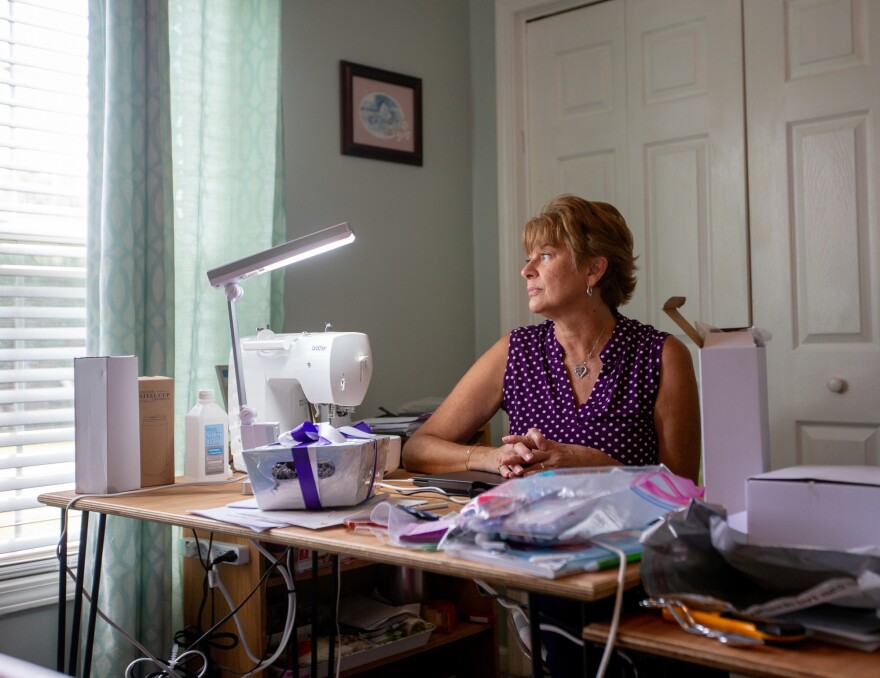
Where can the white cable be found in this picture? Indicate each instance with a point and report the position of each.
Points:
(214, 576)
(562, 632)
(291, 612)
(615, 620)
(149, 656)
(618, 606)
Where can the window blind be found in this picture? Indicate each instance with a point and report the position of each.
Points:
(43, 171)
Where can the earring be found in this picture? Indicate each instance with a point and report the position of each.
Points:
(589, 290)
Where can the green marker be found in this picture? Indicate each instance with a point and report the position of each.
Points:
(611, 561)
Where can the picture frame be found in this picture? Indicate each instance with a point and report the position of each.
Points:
(381, 114)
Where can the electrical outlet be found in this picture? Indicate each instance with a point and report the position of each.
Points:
(242, 555)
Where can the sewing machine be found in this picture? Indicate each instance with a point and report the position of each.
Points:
(287, 375)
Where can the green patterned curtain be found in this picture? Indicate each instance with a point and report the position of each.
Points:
(185, 174)
(130, 288)
(228, 176)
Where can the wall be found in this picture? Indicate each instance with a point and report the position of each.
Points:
(32, 635)
(408, 281)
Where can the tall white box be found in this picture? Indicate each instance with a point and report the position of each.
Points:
(735, 422)
(107, 414)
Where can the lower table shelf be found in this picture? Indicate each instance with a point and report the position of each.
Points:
(648, 633)
(361, 663)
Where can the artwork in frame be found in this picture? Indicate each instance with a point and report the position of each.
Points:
(381, 114)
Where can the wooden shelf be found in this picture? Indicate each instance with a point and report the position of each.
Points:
(649, 633)
(462, 630)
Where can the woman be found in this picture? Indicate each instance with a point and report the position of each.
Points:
(587, 387)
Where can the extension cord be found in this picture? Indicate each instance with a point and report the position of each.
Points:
(521, 624)
(190, 550)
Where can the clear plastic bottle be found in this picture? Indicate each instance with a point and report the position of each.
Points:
(207, 437)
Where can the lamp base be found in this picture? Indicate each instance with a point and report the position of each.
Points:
(259, 434)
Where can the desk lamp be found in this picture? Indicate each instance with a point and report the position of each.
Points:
(230, 276)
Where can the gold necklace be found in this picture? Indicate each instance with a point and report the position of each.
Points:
(583, 369)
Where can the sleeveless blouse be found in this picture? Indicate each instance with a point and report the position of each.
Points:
(617, 418)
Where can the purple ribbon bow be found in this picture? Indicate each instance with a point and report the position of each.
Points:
(308, 434)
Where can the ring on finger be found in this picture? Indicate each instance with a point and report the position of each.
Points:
(542, 466)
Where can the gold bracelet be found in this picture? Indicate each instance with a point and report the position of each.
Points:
(467, 458)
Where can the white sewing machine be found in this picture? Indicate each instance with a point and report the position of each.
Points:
(285, 375)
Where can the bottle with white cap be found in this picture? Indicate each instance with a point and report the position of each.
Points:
(207, 431)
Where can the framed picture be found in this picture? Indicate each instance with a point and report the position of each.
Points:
(381, 114)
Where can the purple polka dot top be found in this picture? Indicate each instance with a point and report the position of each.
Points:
(617, 418)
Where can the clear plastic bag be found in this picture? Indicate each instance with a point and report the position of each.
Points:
(573, 505)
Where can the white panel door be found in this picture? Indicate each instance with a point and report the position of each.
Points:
(576, 123)
(685, 127)
(640, 103)
(576, 109)
(813, 115)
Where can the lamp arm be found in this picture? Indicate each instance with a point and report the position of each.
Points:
(246, 413)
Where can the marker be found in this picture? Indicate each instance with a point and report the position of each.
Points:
(611, 561)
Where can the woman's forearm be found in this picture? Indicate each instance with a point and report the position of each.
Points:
(425, 453)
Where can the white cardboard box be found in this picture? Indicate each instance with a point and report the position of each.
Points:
(832, 507)
(107, 416)
(733, 409)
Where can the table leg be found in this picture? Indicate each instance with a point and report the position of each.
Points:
(62, 594)
(314, 672)
(585, 657)
(334, 593)
(535, 635)
(96, 585)
(78, 592)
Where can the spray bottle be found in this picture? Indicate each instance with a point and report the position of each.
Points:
(207, 427)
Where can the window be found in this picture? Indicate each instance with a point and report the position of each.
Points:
(43, 173)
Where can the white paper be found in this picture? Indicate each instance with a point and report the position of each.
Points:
(247, 514)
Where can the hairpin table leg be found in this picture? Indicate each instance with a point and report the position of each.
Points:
(535, 635)
(334, 592)
(96, 585)
(314, 671)
(78, 592)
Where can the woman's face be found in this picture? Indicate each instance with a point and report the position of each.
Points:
(552, 282)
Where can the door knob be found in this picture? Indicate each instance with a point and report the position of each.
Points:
(837, 385)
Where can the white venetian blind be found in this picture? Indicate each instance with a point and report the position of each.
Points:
(43, 166)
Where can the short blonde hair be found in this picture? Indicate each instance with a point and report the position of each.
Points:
(588, 229)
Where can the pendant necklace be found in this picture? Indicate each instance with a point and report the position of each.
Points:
(583, 369)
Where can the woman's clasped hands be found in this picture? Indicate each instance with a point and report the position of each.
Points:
(529, 453)
(532, 452)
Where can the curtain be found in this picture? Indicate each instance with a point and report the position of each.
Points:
(228, 175)
(130, 288)
(185, 174)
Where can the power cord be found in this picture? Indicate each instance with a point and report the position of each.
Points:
(521, 620)
(193, 635)
(215, 581)
(172, 669)
(618, 606)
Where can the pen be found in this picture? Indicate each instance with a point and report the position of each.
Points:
(428, 507)
(611, 561)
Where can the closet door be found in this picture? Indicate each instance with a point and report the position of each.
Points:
(813, 117)
(640, 103)
(685, 128)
